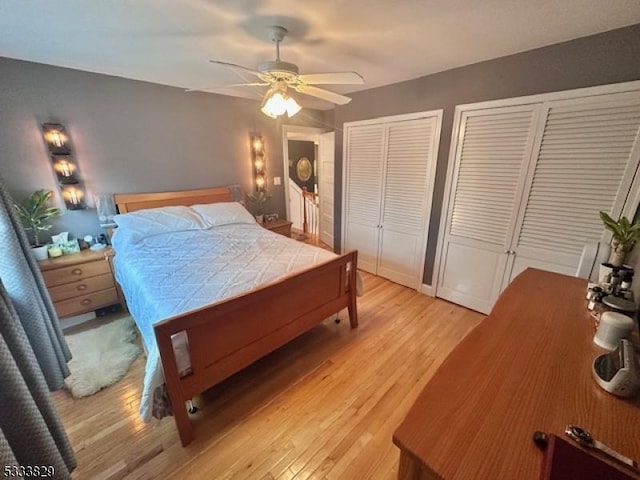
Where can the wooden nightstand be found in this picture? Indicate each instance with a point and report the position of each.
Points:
(283, 227)
(80, 282)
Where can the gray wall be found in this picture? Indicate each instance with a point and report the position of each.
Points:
(129, 136)
(610, 57)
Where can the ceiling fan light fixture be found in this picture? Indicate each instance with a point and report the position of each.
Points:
(292, 107)
(277, 102)
(280, 76)
(274, 104)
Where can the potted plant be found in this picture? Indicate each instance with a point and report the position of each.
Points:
(258, 199)
(624, 236)
(34, 214)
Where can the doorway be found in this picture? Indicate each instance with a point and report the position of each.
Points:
(309, 183)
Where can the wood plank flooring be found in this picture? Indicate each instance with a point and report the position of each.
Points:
(322, 407)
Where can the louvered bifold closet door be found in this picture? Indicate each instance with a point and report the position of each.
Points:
(364, 152)
(406, 199)
(491, 155)
(587, 155)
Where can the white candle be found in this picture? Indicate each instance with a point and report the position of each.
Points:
(56, 138)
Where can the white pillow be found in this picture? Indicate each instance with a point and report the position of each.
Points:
(154, 221)
(223, 213)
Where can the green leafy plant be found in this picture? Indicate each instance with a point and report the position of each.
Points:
(258, 199)
(625, 234)
(34, 213)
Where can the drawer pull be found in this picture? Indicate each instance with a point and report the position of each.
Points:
(86, 301)
(82, 286)
(76, 271)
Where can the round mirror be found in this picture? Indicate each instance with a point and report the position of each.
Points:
(304, 169)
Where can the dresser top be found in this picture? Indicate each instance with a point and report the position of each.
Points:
(83, 256)
(526, 367)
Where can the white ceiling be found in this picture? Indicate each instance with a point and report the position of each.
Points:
(169, 41)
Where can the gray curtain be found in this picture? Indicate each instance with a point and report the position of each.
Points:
(24, 283)
(30, 430)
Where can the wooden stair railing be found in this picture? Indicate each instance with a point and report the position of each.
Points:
(309, 212)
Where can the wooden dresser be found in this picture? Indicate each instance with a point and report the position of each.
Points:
(80, 282)
(526, 367)
(283, 227)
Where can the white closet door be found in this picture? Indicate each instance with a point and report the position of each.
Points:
(364, 151)
(326, 180)
(492, 152)
(587, 155)
(406, 199)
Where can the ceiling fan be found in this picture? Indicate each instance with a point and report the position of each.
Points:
(281, 76)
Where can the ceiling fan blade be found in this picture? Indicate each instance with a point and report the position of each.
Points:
(239, 67)
(338, 78)
(323, 94)
(216, 87)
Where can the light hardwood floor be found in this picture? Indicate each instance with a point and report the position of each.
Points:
(323, 406)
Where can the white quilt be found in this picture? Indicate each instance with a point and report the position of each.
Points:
(172, 273)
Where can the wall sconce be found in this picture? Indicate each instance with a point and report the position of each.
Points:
(258, 162)
(73, 197)
(56, 139)
(66, 170)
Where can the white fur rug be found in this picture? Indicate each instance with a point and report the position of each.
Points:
(101, 356)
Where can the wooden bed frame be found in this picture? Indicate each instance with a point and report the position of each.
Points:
(229, 335)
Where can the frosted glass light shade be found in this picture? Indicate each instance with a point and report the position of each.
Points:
(277, 103)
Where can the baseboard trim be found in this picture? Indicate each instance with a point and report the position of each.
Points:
(69, 322)
(428, 290)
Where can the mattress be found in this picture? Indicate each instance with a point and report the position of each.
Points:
(176, 272)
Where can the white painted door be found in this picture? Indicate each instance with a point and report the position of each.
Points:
(492, 153)
(539, 206)
(388, 181)
(585, 157)
(364, 151)
(409, 170)
(326, 171)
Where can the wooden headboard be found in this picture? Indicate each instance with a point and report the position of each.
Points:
(130, 202)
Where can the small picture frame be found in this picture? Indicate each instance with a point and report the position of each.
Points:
(270, 217)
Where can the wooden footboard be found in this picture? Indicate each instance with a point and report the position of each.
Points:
(230, 335)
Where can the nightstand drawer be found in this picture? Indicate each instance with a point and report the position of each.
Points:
(81, 287)
(74, 273)
(86, 303)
